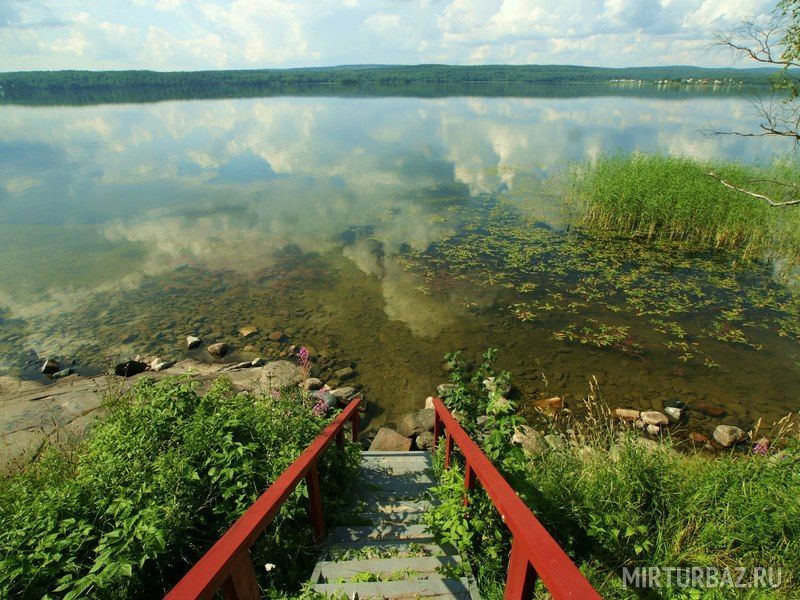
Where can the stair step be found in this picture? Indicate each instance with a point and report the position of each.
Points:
(414, 532)
(435, 587)
(367, 454)
(397, 568)
(370, 548)
(408, 511)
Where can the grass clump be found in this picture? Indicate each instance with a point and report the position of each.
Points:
(154, 485)
(673, 197)
(612, 501)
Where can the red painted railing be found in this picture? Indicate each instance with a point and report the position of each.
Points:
(227, 565)
(533, 550)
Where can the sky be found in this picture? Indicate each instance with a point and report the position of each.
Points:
(250, 34)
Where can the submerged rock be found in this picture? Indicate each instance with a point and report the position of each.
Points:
(276, 336)
(345, 374)
(710, 410)
(63, 373)
(728, 435)
(388, 440)
(247, 331)
(218, 350)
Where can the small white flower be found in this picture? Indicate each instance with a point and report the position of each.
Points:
(269, 567)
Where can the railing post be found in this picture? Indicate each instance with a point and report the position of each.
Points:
(241, 584)
(437, 428)
(356, 419)
(469, 481)
(340, 438)
(315, 502)
(448, 449)
(521, 577)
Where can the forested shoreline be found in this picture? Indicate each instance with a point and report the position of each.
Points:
(29, 83)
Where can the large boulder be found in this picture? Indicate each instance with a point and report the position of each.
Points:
(281, 374)
(388, 440)
(728, 435)
(415, 423)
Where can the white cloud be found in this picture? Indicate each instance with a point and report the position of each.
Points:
(177, 34)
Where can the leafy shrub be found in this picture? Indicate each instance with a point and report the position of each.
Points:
(612, 501)
(153, 486)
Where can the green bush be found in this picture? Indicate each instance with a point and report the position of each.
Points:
(672, 197)
(612, 501)
(153, 486)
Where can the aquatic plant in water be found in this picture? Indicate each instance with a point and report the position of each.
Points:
(679, 293)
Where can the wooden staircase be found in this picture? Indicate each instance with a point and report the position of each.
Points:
(390, 553)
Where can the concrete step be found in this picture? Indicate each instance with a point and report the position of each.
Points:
(372, 548)
(406, 511)
(434, 587)
(384, 568)
(412, 533)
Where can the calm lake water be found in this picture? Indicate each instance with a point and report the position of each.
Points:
(339, 221)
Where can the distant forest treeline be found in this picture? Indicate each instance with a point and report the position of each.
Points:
(81, 86)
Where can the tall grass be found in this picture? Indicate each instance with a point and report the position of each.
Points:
(661, 196)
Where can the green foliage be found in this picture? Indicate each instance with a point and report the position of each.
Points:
(612, 501)
(153, 486)
(670, 197)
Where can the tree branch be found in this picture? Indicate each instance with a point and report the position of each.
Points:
(753, 194)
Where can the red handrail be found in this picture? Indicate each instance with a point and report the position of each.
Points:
(533, 550)
(227, 564)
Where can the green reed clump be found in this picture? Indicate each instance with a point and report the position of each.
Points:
(613, 500)
(672, 197)
(154, 485)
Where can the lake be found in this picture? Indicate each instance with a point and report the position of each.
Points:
(384, 232)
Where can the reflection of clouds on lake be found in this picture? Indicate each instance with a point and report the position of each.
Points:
(225, 184)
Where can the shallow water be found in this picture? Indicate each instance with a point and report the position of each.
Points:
(346, 223)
